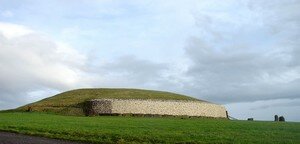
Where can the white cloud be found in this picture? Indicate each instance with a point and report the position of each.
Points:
(9, 30)
(30, 61)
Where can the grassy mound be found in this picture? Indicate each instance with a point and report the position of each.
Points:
(72, 102)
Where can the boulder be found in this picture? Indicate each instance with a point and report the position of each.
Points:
(281, 118)
(276, 118)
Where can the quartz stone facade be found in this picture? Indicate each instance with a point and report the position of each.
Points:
(156, 107)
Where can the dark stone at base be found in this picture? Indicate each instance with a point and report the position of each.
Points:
(281, 118)
(276, 118)
(250, 119)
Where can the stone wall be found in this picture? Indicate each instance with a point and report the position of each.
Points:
(156, 107)
(99, 106)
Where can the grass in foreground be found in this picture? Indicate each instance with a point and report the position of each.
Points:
(108, 129)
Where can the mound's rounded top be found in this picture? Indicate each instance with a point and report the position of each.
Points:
(79, 96)
(74, 102)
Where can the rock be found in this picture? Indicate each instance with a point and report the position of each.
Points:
(250, 119)
(227, 116)
(276, 118)
(281, 118)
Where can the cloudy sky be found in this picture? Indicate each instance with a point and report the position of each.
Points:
(239, 53)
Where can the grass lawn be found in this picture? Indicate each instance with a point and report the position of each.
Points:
(109, 129)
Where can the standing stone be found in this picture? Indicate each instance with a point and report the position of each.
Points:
(276, 118)
(281, 118)
(227, 116)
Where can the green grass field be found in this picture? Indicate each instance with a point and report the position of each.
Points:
(117, 129)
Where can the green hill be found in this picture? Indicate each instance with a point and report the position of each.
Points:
(72, 102)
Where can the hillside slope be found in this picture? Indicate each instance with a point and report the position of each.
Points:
(72, 102)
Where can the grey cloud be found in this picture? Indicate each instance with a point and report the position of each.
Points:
(265, 110)
(134, 67)
(129, 71)
(282, 103)
(33, 62)
(249, 62)
(133, 72)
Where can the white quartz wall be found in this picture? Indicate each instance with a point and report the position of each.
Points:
(160, 107)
